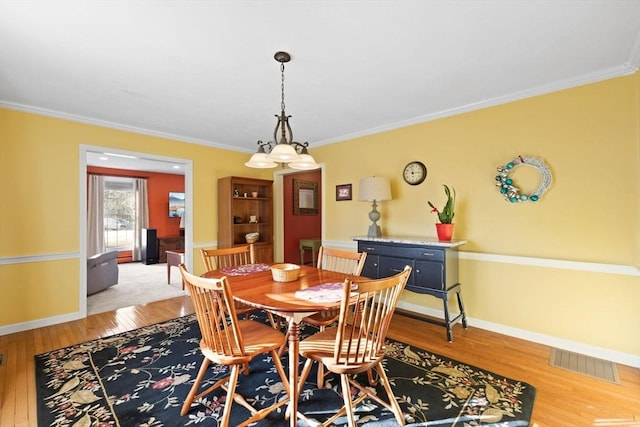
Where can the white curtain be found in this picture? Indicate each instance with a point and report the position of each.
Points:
(95, 215)
(142, 215)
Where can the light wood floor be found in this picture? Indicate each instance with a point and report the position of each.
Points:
(563, 398)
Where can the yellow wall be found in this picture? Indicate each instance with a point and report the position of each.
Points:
(39, 212)
(589, 137)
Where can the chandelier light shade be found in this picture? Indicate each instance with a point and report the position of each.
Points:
(259, 160)
(283, 153)
(374, 189)
(285, 150)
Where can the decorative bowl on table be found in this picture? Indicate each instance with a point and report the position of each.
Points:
(285, 272)
(252, 237)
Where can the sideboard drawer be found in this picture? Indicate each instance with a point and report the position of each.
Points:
(404, 251)
(391, 265)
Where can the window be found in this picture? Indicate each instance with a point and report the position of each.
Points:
(119, 213)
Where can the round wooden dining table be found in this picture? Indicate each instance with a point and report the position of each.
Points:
(255, 286)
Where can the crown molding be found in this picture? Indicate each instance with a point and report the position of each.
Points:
(585, 79)
(625, 69)
(113, 125)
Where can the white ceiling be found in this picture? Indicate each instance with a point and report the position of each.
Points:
(203, 71)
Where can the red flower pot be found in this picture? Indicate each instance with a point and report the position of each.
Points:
(445, 232)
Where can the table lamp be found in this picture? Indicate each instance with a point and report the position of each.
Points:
(374, 189)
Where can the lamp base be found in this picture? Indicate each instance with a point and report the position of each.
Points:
(374, 231)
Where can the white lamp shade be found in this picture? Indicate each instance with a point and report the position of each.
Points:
(305, 162)
(374, 188)
(259, 160)
(283, 153)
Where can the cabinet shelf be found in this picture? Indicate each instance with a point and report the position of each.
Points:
(250, 198)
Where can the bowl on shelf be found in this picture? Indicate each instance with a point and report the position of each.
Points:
(285, 272)
(252, 237)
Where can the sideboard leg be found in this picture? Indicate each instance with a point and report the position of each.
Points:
(462, 312)
(447, 319)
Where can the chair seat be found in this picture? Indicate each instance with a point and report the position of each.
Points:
(322, 318)
(321, 347)
(242, 308)
(257, 338)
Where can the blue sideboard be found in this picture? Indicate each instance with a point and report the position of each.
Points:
(434, 264)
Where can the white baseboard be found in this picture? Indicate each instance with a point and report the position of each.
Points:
(40, 323)
(576, 347)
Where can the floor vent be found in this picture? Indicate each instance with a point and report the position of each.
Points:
(597, 368)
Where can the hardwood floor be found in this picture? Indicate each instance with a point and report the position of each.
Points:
(563, 398)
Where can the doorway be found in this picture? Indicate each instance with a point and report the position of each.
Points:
(290, 228)
(142, 162)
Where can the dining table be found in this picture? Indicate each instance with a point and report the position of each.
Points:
(313, 291)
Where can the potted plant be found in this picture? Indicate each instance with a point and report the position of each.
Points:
(445, 216)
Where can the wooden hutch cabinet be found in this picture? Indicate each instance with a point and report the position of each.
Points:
(245, 205)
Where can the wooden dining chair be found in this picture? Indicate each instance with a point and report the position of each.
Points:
(357, 344)
(230, 342)
(215, 259)
(342, 262)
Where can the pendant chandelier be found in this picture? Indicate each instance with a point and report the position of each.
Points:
(285, 150)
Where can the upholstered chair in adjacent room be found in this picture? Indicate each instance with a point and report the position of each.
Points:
(102, 271)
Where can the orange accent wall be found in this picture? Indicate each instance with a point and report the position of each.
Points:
(298, 227)
(158, 187)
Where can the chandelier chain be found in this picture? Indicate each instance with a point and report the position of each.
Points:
(282, 87)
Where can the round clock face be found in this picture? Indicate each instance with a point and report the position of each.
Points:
(414, 173)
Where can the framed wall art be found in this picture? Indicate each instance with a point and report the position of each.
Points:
(176, 204)
(305, 197)
(343, 192)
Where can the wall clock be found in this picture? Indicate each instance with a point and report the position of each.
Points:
(414, 173)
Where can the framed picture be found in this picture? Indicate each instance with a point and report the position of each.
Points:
(343, 192)
(305, 197)
(176, 204)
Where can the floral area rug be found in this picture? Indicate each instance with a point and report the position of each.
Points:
(141, 377)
